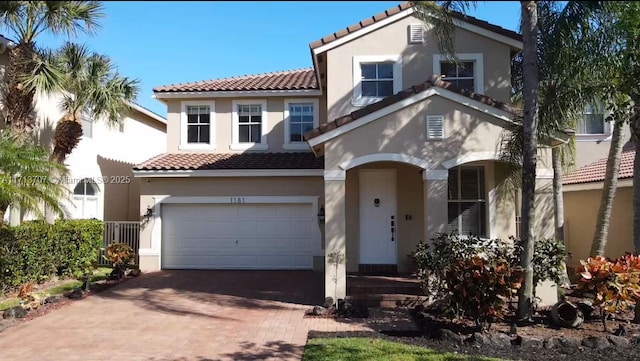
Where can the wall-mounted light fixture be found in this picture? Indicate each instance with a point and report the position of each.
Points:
(321, 214)
(376, 202)
(148, 213)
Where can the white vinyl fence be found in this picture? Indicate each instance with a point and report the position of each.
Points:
(120, 231)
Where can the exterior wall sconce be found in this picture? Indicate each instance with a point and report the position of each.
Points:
(321, 214)
(148, 213)
(376, 202)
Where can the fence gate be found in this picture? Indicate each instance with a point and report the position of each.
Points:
(127, 232)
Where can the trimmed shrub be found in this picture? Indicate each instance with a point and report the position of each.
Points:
(120, 255)
(472, 276)
(613, 285)
(35, 251)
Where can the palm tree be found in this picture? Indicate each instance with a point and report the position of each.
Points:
(28, 71)
(567, 85)
(93, 88)
(617, 51)
(26, 177)
(439, 15)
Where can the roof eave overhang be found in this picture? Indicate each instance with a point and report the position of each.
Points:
(194, 173)
(514, 44)
(162, 96)
(503, 116)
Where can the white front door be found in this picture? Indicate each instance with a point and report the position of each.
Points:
(378, 221)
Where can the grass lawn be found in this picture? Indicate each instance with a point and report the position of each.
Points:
(99, 274)
(370, 349)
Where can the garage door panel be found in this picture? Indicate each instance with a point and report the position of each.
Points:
(237, 236)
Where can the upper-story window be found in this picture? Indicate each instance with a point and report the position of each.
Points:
(301, 116)
(249, 125)
(375, 78)
(87, 127)
(460, 74)
(467, 73)
(197, 128)
(592, 121)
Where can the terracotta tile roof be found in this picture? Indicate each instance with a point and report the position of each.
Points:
(221, 161)
(433, 81)
(398, 8)
(597, 171)
(296, 79)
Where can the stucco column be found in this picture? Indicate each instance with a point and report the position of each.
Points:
(435, 202)
(335, 233)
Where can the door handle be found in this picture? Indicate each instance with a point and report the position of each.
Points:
(393, 229)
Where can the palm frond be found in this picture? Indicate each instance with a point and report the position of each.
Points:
(437, 15)
(28, 178)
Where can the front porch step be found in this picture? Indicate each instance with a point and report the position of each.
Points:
(384, 289)
(388, 300)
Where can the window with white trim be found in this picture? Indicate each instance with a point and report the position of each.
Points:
(467, 73)
(301, 116)
(87, 127)
(459, 74)
(249, 125)
(592, 122)
(197, 125)
(375, 78)
(467, 201)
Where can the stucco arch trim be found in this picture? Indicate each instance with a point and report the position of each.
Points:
(470, 157)
(385, 157)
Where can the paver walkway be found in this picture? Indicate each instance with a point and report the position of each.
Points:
(183, 315)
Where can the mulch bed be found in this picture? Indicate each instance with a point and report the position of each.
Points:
(431, 323)
(508, 353)
(95, 288)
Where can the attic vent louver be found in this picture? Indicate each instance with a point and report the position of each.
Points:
(416, 34)
(435, 127)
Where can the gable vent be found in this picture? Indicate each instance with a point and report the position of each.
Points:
(416, 34)
(435, 127)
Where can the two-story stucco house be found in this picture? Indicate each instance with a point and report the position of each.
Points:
(383, 143)
(100, 179)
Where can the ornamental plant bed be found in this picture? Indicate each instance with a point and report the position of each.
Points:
(61, 300)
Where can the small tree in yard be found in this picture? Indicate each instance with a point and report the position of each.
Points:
(336, 258)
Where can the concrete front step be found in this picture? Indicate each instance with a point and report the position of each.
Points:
(387, 300)
(403, 289)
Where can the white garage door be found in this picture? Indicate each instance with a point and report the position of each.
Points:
(237, 236)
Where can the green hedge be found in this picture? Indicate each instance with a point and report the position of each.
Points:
(35, 251)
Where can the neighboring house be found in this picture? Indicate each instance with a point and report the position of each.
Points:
(100, 179)
(582, 192)
(100, 167)
(367, 153)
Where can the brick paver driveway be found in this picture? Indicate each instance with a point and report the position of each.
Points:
(177, 315)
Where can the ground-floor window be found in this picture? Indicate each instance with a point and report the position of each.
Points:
(467, 201)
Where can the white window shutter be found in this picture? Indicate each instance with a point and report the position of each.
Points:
(435, 127)
(416, 34)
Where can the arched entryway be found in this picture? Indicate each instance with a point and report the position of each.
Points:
(85, 199)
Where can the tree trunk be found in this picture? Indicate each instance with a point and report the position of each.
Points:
(601, 234)
(558, 201)
(19, 108)
(635, 129)
(529, 159)
(635, 136)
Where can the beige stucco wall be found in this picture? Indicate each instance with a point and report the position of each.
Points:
(417, 61)
(404, 131)
(581, 213)
(223, 122)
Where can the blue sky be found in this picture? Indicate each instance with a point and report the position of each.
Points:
(168, 42)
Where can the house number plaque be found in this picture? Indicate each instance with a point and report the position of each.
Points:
(237, 200)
